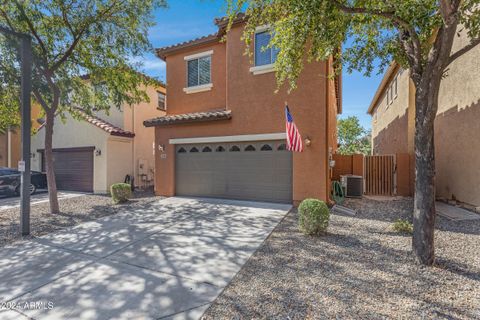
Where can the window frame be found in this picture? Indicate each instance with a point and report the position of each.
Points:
(199, 87)
(164, 101)
(265, 68)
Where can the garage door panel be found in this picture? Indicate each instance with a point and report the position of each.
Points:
(73, 169)
(264, 175)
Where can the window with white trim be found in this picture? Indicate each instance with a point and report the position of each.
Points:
(199, 71)
(161, 101)
(264, 55)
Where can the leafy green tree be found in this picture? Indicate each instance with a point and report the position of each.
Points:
(418, 34)
(352, 137)
(73, 38)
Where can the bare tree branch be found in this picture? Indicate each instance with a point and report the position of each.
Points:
(462, 51)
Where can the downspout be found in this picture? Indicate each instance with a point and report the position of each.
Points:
(133, 147)
(327, 131)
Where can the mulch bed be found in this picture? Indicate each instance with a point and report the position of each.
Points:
(73, 211)
(361, 269)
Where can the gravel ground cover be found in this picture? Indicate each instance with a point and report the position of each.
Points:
(73, 211)
(360, 270)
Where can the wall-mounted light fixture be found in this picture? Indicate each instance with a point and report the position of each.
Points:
(161, 147)
(98, 152)
(308, 141)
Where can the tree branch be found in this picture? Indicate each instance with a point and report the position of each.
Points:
(40, 99)
(462, 51)
(32, 29)
(415, 47)
(78, 35)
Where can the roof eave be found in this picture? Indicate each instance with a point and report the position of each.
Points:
(162, 53)
(383, 84)
(161, 122)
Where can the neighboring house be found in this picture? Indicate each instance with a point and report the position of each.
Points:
(98, 150)
(457, 146)
(224, 131)
(10, 142)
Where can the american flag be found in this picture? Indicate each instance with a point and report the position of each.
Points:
(294, 139)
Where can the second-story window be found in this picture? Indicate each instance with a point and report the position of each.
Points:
(199, 71)
(161, 101)
(263, 54)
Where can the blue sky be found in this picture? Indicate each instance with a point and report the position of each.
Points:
(188, 19)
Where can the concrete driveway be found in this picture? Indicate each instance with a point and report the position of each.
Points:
(168, 261)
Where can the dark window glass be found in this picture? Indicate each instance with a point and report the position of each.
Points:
(207, 149)
(264, 55)
(250, 148)
(192, 80)
(161, 101)
(220, 149)
(266, 147)
(194, 149)
(198, 71)
(182, 150)
(234, 149)
(283, 146)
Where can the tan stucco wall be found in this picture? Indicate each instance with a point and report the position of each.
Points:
(119, 160)
(74, 133)
(456, 128)
(3, 150)
(143, 145)
(256, 109)
(113, 116)
(390, 122)
(11, 144)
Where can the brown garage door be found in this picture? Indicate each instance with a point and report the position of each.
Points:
(259, 171)
(73, 168)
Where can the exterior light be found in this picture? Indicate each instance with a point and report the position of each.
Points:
(308, 141)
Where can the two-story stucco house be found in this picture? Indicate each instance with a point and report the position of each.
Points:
(457, 147)
(95, 151)
(224, 131)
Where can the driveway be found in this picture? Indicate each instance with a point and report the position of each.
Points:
(40, 197)
(168, 261)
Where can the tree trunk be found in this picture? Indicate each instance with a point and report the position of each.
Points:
(426, 101)
(52, 185)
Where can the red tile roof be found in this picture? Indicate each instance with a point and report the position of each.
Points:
(162, 52)
(212, 115)
(104, 125)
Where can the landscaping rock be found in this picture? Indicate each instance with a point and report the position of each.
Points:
(360, 270)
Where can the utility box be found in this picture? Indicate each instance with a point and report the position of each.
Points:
(353, 185)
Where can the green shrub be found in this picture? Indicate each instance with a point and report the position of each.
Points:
(120, 192)
(403, 226)
(313, 216)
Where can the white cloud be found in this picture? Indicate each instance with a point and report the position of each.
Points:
(151, 65)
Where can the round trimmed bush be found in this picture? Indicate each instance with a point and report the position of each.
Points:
(313, 216)
(121, 192)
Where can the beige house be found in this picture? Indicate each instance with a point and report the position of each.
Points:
(456, 126)
(98, 150)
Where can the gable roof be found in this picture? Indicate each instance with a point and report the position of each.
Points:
(100, 123)
(387, 78)
(221, 23)
(104, 125)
